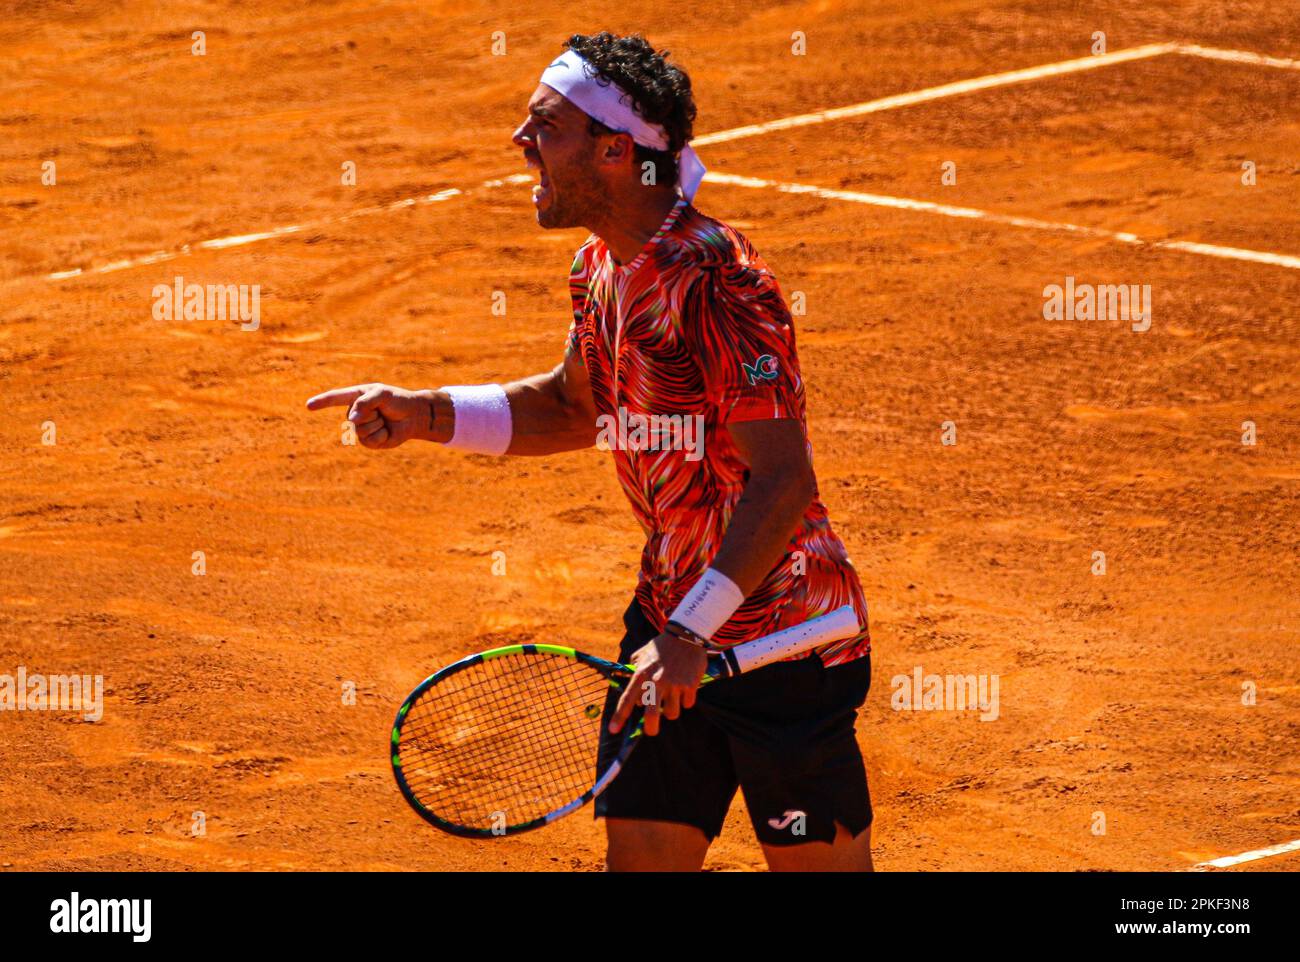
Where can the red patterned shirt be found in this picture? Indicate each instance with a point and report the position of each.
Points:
(690, 336)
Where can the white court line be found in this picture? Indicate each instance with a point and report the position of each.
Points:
(1230, 860)
(1237, 56)
(1011, 220)
(802, 120)
(995, 80)
(935, 93)
(239, 240)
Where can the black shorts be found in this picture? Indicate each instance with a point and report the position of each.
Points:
(782, 733)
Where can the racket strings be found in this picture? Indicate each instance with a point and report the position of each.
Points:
(539, 745)
(505, 741)
(510, 742)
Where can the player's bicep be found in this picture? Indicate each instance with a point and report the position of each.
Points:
(773, 448)
(574, 387)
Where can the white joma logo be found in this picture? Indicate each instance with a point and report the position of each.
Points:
(784, 821)
(73, 915)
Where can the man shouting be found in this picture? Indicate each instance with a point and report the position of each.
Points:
(677, 319)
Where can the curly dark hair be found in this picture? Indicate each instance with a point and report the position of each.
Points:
(660, 91)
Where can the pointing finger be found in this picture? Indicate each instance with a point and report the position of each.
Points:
(339, 396)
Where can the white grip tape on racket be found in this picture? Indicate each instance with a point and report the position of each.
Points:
(836, 626)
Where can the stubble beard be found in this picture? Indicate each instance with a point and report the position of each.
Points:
(580, 203)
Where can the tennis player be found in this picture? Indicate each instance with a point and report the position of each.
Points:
(678, 322)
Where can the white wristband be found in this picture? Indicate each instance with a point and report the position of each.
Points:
(482, 418)
(709, 605)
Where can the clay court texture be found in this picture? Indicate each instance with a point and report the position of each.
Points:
(1125, 736)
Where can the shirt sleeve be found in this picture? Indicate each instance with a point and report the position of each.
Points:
(740, 331)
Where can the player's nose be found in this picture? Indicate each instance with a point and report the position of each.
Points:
(523, 135)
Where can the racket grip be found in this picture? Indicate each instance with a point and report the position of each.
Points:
(836, 626)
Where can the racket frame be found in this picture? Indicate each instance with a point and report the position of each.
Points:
(826, 629)
(611, 670)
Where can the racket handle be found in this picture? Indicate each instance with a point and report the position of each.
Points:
(836, 626)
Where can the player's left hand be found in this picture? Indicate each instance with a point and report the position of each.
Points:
(668, 672)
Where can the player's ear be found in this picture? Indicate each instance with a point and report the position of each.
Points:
(618, 149)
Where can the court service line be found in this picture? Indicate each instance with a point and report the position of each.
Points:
(1237, 56)
(1010, 220)
(800, 120)
(935, 93)
(1230, 860)
(891, 102)
(995, 80)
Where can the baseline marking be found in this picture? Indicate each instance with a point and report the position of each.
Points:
(238, 240)
(1010, 220)
(1230, 860)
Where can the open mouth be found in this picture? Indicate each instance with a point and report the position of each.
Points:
(541, 190)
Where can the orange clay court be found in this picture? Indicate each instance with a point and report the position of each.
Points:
(1121, 695)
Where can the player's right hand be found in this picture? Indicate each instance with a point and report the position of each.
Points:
(668, 672)
(384, 416)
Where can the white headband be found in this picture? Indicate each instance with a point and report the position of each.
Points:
(572, 77)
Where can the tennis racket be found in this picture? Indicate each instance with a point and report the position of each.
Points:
(505, 741)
